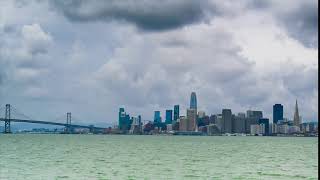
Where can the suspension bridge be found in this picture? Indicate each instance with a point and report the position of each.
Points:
(69, 127)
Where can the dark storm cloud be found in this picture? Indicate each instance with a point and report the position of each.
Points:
(147, 15)
(300, 18)
(302, 24)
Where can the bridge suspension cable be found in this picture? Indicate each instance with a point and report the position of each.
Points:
(2, 109)
(61, 118)
(15, 111)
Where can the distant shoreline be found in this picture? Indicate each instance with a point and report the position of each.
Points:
(44, 133)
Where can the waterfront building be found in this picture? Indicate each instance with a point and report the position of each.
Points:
(313, 126)
(147, 128)
(296, 117)
(257, 129)
(252, 118)
(304, 127)
(124, 120)
(157, 117)
(202, 129)
(294, 129)
(277, 113)
(249, 122)
(122, 115)
(274, 129)
(176, 113)
(192, 119)
(169, 127)
(183, 123)
(219, 122)
(265, 121)
(175, 126)
(283, 128)
(168, 117)
(140, 120)
(309, 127)
(212, 129)
(135, 125)
(227, 120)
(193, 101)
(239, 123)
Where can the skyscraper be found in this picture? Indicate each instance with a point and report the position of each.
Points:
(122, 116)
(219, 122)
(124, 120)
(252, 118)
(296, 117)
(265, 121)
(168, 116)
(254, 114)
(176, 113)
(192, 119)
(183, 123)
(239, 123)
(227, 120)
(277, 113)
(157, 117)
(193, 101)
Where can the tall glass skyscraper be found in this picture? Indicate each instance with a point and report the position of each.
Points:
(122, 116)
(168, 116)
(277, 113)
(124, 120)
(157, 117)
(176, 113)
(193, 101)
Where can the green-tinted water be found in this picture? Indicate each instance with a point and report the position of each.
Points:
(156, 157)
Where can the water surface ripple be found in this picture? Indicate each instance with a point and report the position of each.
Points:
(156, 157)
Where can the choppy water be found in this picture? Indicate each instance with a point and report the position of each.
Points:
(156, 157)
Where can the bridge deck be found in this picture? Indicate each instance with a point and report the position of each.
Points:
(52, 123)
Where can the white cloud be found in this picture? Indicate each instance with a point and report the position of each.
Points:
(35, 39)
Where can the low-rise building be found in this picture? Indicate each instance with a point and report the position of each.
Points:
(212, 129)
(183, 123)
(257, 129)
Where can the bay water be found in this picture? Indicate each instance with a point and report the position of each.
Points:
(61, 156)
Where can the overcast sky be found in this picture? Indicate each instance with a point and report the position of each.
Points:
(92, 57)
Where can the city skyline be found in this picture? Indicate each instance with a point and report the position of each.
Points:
(161, 115)
(275, 116)
(251, 122)
(90, 58)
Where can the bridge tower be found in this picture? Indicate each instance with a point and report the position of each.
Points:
(7, 119)
(68, 127)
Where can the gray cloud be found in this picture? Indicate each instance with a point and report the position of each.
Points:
(302, 24)
(147, 15)
(301, 80)
(35, 39)
(93, 68)
(300, 18)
